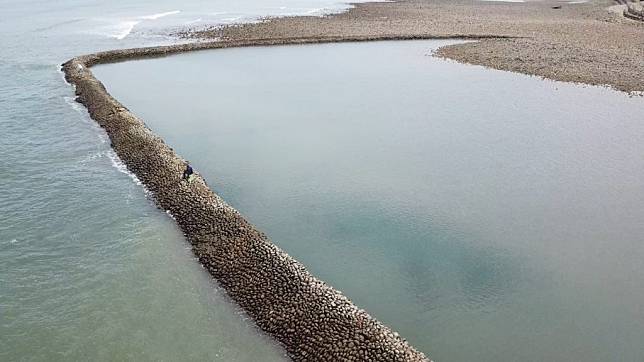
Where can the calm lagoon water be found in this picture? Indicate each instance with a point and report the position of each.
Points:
(89, 268)
(483, 214)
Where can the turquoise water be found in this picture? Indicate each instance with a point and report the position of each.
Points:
(89, 268)
(485, 215)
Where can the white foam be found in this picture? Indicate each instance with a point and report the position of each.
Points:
(62, 74)
(317, 11)
(159, 15)
(123, 29)
(75, 105)
(121, 167)
(234, 19)
(172, 217)
(92, 156)
(102, 136)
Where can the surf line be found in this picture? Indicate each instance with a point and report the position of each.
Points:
(125, 27)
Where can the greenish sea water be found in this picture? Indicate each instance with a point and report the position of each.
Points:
(485, 215)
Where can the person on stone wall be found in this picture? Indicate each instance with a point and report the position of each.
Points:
(187, 172)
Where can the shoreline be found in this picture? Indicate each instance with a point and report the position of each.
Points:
(580, 42)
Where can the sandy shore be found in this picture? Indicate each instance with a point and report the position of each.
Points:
(577, 42)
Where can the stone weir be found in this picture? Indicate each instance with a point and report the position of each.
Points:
(312, 320)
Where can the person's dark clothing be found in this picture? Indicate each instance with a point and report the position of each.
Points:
(187, 172)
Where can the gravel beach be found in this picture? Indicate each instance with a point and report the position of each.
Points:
(577, 42)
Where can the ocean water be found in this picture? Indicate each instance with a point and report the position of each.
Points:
(89, 268)
(485, 215)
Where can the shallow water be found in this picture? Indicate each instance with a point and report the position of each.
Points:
(485, 215)
(89, 268)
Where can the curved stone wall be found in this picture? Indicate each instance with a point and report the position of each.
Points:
(309, 318)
